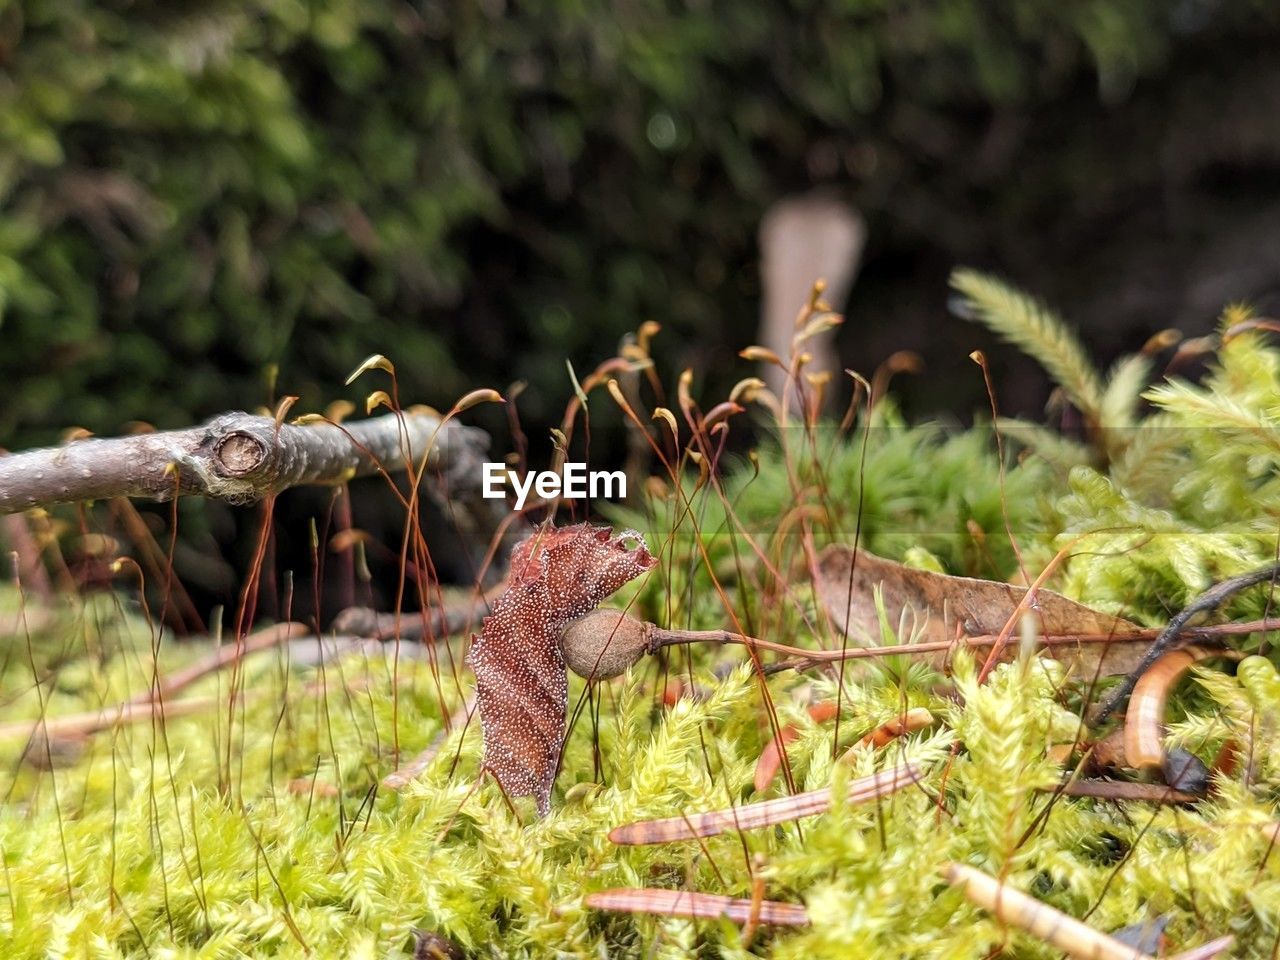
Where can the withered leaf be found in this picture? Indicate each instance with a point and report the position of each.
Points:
(556, 575)
(975, 607)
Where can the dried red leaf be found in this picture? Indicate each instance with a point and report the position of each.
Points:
(556, 575)
(770, 761)
(771, 757)
(917, 718)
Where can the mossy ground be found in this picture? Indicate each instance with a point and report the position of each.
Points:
(216, 834)
(151, 845)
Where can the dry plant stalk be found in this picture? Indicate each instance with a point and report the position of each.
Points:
(766, 813)
(653, 638)
(1017, 909)
(1066, 933)
(402, 776)
(682, 903)
(815, 658)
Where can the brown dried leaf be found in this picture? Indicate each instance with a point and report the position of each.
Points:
(556, 575)
(974, 607)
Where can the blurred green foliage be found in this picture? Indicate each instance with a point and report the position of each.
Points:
(193, 196)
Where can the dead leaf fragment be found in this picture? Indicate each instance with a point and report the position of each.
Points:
(556, 575)
(771, 756)
(947, 605)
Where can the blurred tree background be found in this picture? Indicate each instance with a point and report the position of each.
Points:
(195, 195)
(198, 196)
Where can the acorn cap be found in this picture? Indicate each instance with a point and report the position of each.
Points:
(603, 643)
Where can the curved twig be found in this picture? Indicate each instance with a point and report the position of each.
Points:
(1144, 720)
(1211, 599)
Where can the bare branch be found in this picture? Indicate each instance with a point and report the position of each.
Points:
(438, 623)
(238, 457)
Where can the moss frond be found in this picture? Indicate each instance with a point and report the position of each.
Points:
(1032, 326)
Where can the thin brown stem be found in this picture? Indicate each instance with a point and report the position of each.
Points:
(806, 659)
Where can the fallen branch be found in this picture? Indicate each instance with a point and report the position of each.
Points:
(143, 707)
(95, 721)
(264, 639)
(437, 623)
(238, 457)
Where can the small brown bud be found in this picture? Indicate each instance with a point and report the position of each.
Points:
(603, 643)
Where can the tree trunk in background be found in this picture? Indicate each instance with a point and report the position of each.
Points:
(803, 239)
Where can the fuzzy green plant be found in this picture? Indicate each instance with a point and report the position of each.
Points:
(1185, 490)
(144, 846)
(931, 494)
(257, 826)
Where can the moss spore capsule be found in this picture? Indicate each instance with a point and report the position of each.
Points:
(603, 643)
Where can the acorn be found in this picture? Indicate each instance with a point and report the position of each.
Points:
(603, 643)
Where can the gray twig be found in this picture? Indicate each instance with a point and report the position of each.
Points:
(238, 457)
(1171, 636)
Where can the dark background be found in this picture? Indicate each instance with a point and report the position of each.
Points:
(202, 200)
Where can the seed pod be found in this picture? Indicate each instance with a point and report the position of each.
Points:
(603, 643)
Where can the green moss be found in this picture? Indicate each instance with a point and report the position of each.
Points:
(190, 838)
